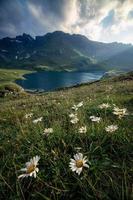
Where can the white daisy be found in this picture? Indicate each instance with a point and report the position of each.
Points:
(35, 121)
(104, 105)
(74, 120)
(95, 119)
(73, 115)
(83, 129)
(78, 163)
(80, 104)
(75, 107)
(31, 168)
(120, 112)
(47, 131)
(111, 128)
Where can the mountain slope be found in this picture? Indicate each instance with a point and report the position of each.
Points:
(60, 51)
(108, 154)
(123, 60)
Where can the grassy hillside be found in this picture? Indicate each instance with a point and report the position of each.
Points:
(8, 78)
(109, 155)
(10, 75)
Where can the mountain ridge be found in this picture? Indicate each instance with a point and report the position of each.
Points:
(62, 51)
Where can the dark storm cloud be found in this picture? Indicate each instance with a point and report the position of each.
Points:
(47, 13)
(15, 18)
(18, 16)
(11, 17)
(55, 7)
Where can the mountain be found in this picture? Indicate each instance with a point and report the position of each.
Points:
(63, 51)
(123, 60)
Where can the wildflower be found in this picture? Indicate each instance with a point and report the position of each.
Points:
(80, 104)
(75, 107)
(74, 120)
(78, 163)
(31, 168)
(29, 115)
(35, 121)
(95, 119)
(111, 128)
(83, 129)
(121, 112)
(47, 131)
(104, 105)
(72, 115)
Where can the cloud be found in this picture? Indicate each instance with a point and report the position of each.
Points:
(130, 14)
(109, 19)
(54, 15)
(103, 20)
(8, 19)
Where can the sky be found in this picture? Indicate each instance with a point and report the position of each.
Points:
(99, 20)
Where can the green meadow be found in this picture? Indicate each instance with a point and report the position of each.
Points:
(10, 75)
(109, 154)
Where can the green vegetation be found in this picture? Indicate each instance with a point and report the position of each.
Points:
(109, 155)
(7, 82)
(10, 75)
(61, 51)
(55, 68)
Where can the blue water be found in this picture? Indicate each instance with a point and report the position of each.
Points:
(49, 81)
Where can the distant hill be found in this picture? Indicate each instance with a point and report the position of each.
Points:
(62, 51)
(123, 60)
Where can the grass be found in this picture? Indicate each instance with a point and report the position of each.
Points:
(10, 75)
(7, 81)
(110, 156)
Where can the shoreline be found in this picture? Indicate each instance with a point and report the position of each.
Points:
(41, 90)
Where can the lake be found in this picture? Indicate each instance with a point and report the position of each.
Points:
(50, 81)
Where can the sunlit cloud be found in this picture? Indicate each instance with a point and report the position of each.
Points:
(102, 20)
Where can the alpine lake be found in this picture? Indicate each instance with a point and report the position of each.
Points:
(50, 81)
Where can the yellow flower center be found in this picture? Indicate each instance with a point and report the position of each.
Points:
(79, 163)
(31, 168)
